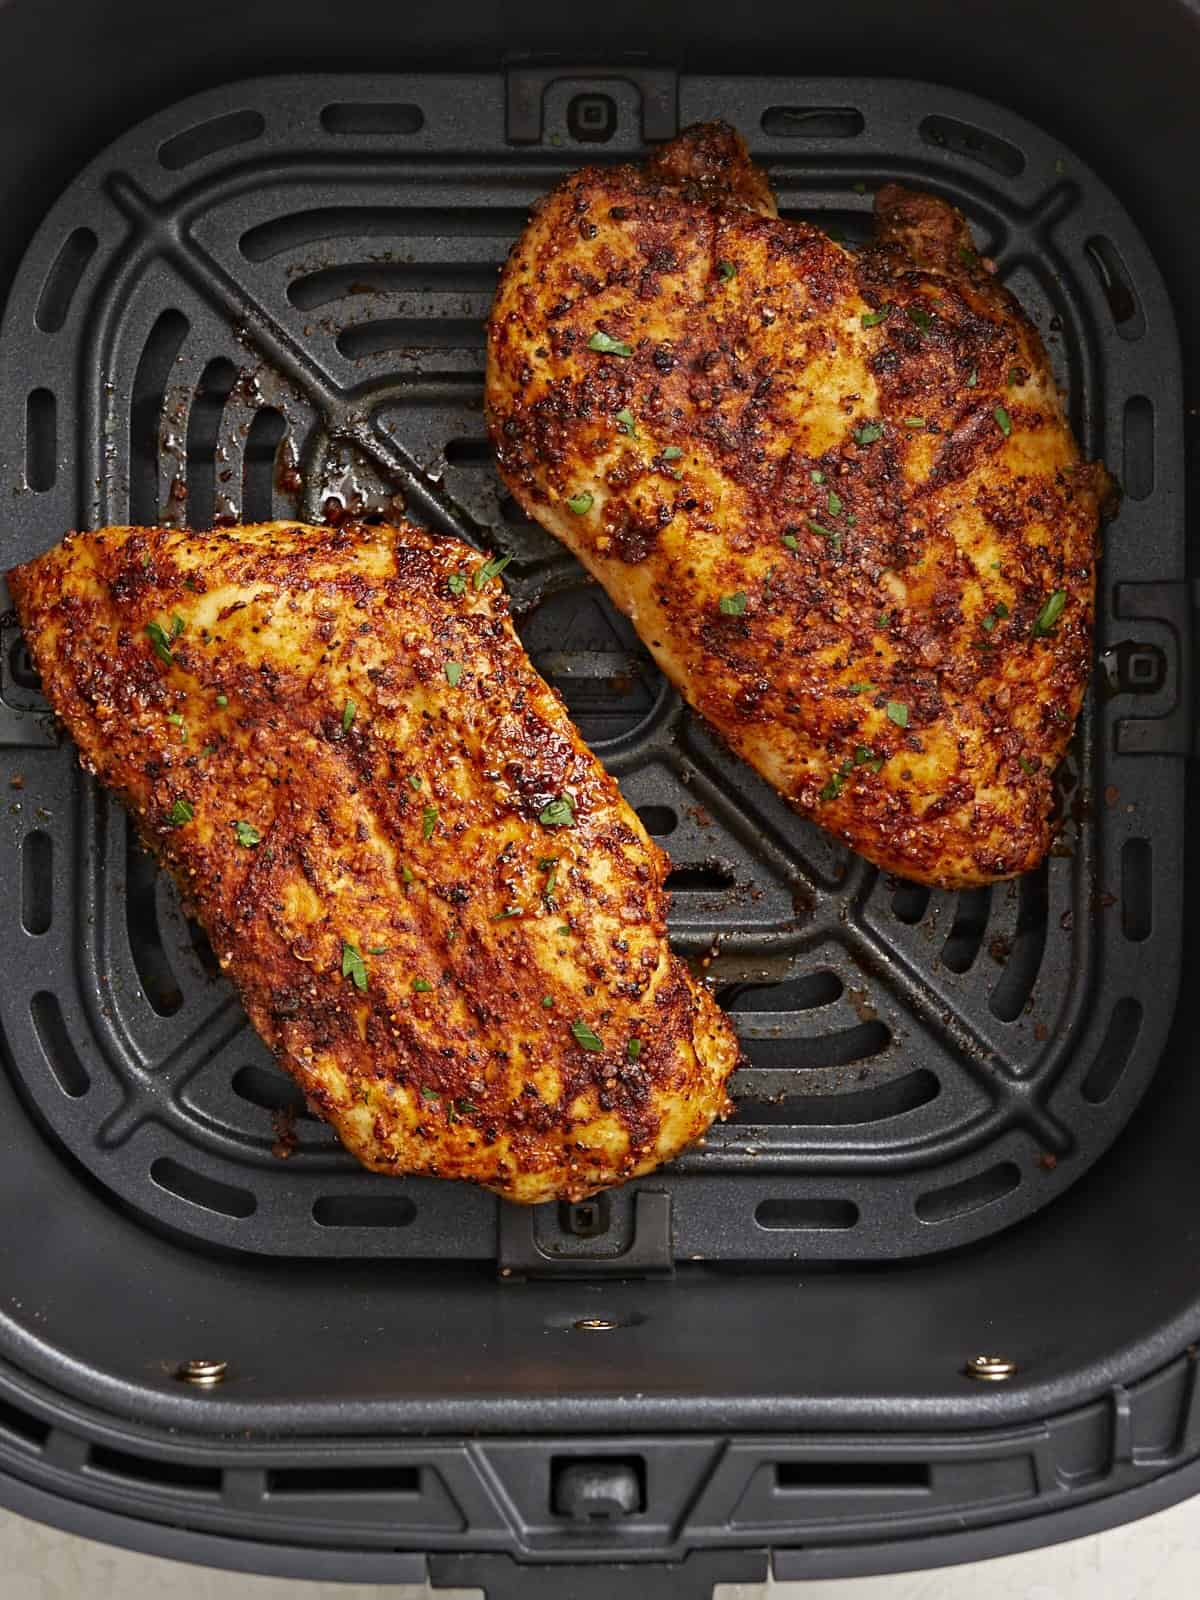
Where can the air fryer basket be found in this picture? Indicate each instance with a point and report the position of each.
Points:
(267, 300)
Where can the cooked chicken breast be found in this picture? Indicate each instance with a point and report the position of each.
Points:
(836, 493)
(442, 916)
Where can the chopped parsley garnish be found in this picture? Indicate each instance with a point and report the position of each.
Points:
(1027, 765)
(1014, 377)
(580, 504)
(860, 688)
(422, 986)
(997, 614)
(791, 541)
(180, 813)
(868, 433)
(1000, 609)
(1048, 616)
(834, 503)
(972, 377)
(549, 865)
(429, 821)
(914, 422)
(726, 270)
(833, 787)
(406, 874)
(457, 584)
(606, 345)
(625, 422)
(860, 187)
(872, 319)
(463, 1107)
(559, 813)
(247, 834)
(353, 965)
(584, 1036)
(672, 452)
(509, 911)
(222, 699)
(733, 605)
(897, 712)
(430, 1094)
(826, 533)
(454, 672)
(921, 317)
(161, 644)
(866, 757)
(883, 619)
(349, 711)
(563, 931)
(633, 1049)
(817, 476)
(490, 569)
(377, 949)
(1003, 420)
(176, 718)
(414, 780)
(177, 626)
(967, 256)
(547, 1001)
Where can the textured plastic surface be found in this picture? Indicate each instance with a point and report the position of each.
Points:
(269, 301)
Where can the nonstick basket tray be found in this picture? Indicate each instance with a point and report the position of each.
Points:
(269, 301)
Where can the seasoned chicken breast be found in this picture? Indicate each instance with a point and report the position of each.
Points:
(442, 916)
(836, 493)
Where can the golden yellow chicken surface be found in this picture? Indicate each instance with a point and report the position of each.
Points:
(836, 493)
(442, 916)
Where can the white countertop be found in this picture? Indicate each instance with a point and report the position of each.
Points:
(1155, 1559)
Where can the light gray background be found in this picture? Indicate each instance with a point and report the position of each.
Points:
(1158, 1557)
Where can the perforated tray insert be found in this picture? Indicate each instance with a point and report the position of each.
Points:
(269, 301)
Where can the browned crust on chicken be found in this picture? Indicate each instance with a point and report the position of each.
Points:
(294, 750)
(836, 493)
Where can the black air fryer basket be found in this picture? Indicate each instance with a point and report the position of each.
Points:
(933, 1293)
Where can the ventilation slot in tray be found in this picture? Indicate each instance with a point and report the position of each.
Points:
(154, 1473)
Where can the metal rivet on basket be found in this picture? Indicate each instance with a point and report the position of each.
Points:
(990, 1369)
(202, 1373)
(596, 1325)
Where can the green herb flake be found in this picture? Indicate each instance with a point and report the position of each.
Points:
(176, 718)
(180, 813)
(818, 477)
(349, 711)
(1027, 766)
(454, 672)
(563, 931)
(353, 965)
(547, 1001)
(625, 422)
(549, 865)
(490, 569)
(509, 911)
(1003, 420)
(826, 533)
(1048, 616)
(247, 834)
(726, 270)
(429, 821)
(377, 949)
(989, 623)
(834, 503)
(222, 700)
(972, 377)
(414, 780)
(406, 874)
(584, 1036)
(914, 422)
(791, 541)
(967, 256)
(872, 319)
(832, 788)
(430, 1094)
(161, 644)
(633, 1049)
(177, 626)
(868, 433)
(580, 504)
(422, 986)
(1000, 609)
(465, 1107)
(457, 583)
(920, 316)
(866, 757)
(559, 813)
(860, 688)
(860, 187)
(672, 453)
(1014, 377)
(606, 345)
(733, 605)
(897, 712)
